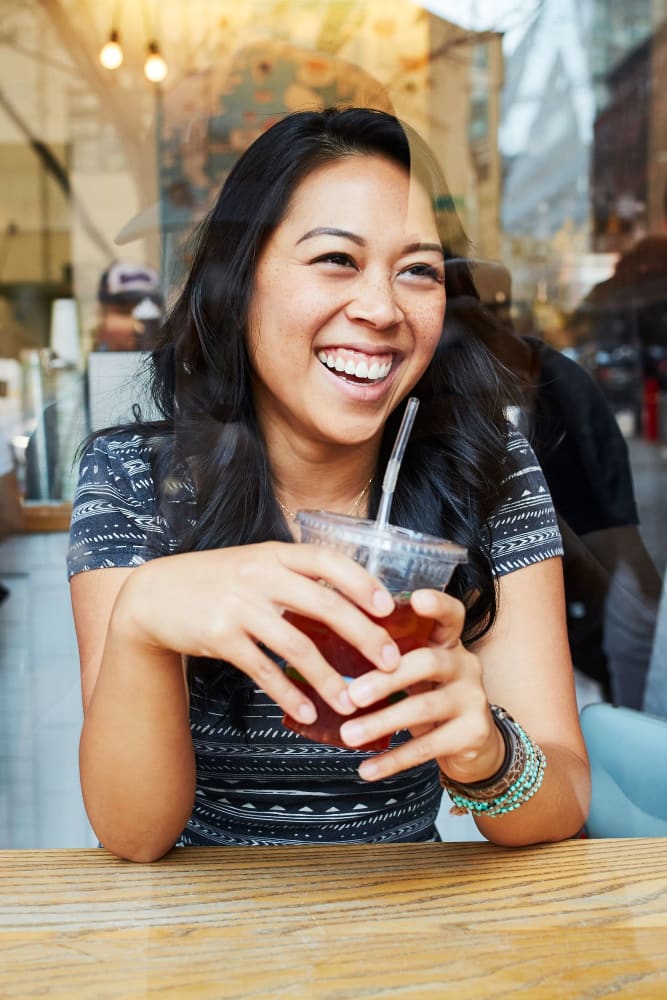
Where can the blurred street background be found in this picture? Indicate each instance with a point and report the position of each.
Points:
(649, 470)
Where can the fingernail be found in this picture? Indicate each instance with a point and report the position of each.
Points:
(307, 713)
(390, 655)
(368, 769)
(363, 692)
(345, 703)
(352, 732)
(383, 601)
(425, 601)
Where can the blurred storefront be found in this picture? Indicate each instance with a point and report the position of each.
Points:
(554, 149)
(101, 164)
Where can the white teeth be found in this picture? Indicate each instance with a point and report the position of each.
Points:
(360, 369)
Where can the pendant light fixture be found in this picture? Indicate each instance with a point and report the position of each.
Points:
(155, 67)
(111, 54)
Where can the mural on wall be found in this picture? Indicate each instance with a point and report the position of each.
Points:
(247, 71)
(266, 81)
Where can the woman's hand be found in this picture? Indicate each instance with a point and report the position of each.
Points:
(228, 604)
(447, 710)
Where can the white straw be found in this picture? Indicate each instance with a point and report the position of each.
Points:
(394, 463)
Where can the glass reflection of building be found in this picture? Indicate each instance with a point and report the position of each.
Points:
(583, 145)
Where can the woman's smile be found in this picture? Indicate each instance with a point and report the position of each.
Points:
(356, 366)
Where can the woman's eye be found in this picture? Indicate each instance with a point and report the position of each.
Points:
(425, 271)
(340, 259)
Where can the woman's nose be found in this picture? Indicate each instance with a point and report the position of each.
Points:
(375, 303)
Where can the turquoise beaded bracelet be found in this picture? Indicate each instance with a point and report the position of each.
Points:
(523, 783)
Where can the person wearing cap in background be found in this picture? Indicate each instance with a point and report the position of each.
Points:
(130, 301)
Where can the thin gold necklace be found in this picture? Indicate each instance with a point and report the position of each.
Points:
(360, 496)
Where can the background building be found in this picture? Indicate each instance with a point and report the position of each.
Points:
(563, 97)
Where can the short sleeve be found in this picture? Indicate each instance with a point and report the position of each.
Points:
(524, 529)
(114, 519)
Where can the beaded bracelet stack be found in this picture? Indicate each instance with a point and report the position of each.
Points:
(517, 780)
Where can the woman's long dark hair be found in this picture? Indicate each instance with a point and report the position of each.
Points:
(451, 477)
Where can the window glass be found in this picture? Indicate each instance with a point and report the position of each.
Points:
(550, 120)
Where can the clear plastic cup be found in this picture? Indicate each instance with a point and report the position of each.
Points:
(403, 561)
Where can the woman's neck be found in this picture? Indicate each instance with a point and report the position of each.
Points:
(337, 479)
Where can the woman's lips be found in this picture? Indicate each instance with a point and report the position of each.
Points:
(358, 366)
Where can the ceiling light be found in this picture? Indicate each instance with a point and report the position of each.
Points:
(155, 68)
(111, 54)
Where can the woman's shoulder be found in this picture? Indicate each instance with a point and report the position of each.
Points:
(524, 527)
(117, 447)
(116, 520)
(520, 455)
(122, 456)
(524, 481)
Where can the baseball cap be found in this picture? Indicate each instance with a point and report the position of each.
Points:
(126, 283)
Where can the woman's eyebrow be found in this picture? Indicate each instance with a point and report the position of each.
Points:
(332, 231)
(360, 241)
(422, 247)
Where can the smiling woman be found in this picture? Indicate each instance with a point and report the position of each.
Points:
(314, 306)
(372, 300)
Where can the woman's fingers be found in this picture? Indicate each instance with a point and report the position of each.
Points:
(447, 612)
(341, 572)
(447, 740)
(268, 676)
(431, 665)
(291, 644)
(255, 612)
(419, 710)
(326, 607)
(446, 711)
(343, 602)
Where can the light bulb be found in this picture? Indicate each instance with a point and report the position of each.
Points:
(155, 68)
(111, 55)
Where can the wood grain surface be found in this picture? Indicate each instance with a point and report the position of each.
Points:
(46, 517)
(584, 919)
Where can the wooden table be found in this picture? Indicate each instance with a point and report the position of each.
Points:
(580, 919)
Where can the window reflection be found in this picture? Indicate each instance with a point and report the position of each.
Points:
(550, 119)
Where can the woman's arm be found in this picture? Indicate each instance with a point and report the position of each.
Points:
(528, 670)
(523, 665)
(135, 625)
(135, 757)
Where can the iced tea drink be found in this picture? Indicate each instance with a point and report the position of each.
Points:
(401, 559)
(409, 632)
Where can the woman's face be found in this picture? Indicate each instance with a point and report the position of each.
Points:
(348, 303)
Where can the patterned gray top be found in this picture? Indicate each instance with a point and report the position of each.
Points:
(265, 784)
